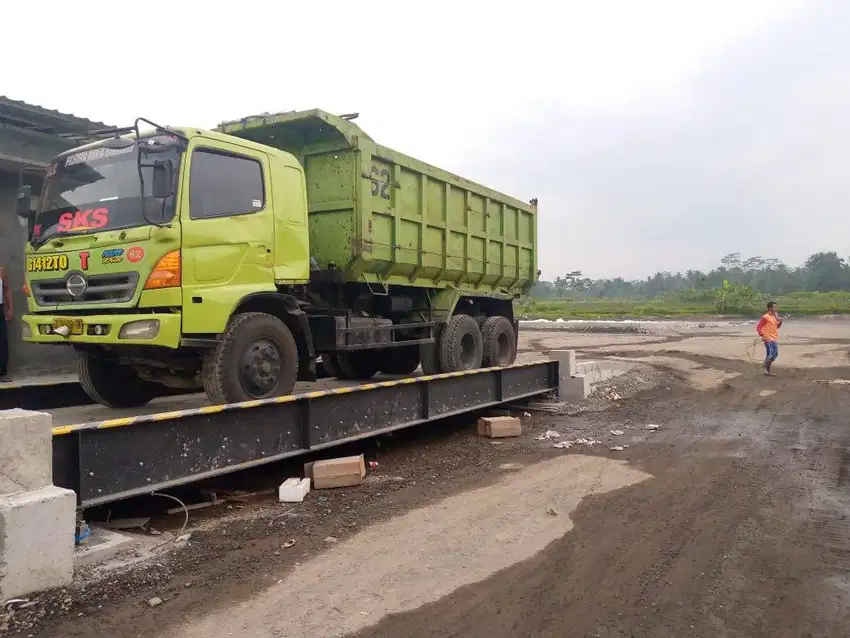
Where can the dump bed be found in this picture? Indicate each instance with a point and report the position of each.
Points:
(382, 216)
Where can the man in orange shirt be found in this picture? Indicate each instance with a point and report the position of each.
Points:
(768, 329)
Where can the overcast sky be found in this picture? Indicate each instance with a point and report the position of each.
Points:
(658, 134)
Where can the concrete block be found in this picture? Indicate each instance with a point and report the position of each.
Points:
(599, 371)
(594, 372)
(346, 471)
(566, 371)
(26, 452)
(36, 540)
(510, 426)
(293, 490)
(566, 361)
(498, 427)
(576, 388)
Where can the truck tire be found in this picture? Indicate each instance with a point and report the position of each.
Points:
(257, 358)
(461, 346)
(429, 356)
(111, 384)
(429, 353)
(402, 360)
(354, 366)
(499, 339)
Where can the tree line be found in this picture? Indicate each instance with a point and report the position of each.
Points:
(822, 272)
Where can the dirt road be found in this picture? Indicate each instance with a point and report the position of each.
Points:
(732, 519)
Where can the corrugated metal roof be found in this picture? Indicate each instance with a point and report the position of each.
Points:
(49, 121)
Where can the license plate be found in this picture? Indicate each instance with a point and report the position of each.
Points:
(47, 263)
(74, 325)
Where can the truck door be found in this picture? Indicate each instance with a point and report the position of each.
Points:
(228, 232)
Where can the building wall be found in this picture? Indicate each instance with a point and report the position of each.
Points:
(35, 147)
(25, 358)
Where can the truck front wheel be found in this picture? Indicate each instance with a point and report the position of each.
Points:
(499, 342)
(111, 384)
(461, 346)
(257, 358)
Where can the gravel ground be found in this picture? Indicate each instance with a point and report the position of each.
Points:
(244, 542)
(732, 518)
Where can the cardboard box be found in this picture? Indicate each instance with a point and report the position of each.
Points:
(346, 471)
(484, 426)
(498, 427)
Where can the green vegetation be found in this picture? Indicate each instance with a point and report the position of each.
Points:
(678, 305)
(736, 288)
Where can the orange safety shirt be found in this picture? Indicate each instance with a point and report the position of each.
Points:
(768, 327)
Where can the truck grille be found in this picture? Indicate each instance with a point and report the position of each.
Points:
(117, 288)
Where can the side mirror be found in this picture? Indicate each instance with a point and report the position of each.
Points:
(24, 202)
(163, 179)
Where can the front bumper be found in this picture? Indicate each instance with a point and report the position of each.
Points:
(111, 326)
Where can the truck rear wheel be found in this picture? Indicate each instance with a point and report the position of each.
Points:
(111, 384)
(461, 346)
(257, 358)
(499, 340)
(353, 366)
(429, 353)
(401, 360)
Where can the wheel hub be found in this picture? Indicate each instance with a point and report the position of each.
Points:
(260, 368)
(467, 345)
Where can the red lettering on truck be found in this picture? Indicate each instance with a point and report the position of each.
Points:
(99, 217)
(88, 219)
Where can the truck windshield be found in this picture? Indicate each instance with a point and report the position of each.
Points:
(98, 189)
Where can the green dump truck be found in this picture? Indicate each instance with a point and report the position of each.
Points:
(234, 260)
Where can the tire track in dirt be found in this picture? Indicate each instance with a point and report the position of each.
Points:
(741, 532)
(639, 562)
(463, 539)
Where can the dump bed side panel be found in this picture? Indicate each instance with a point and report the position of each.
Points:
(332, 183)
(426, 226)
(384, 217)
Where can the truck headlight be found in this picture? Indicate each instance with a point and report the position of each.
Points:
(26, 333)
(145, 329)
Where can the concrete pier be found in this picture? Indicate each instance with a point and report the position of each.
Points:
(36, 518)
(571, 385)
(578, 378)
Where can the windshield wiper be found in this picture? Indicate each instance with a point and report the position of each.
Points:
(37, 243)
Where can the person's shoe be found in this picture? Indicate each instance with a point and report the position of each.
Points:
(768, 374)
(5, 378)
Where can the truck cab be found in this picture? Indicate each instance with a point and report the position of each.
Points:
(142, 249)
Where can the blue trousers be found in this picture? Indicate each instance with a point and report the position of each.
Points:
(771, 353)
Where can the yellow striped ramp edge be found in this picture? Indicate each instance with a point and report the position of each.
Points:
(62, 430)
